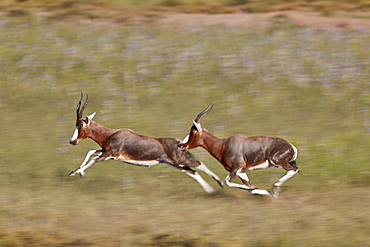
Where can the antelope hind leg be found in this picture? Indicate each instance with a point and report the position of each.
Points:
(208, 188)
(276, 189)
(261, 192)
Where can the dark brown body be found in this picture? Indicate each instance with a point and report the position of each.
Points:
(248, 152)
(240, 153)
(127, 146)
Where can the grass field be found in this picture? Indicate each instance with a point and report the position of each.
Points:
(309, 87)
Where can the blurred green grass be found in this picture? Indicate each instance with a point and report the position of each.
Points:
(310, 87)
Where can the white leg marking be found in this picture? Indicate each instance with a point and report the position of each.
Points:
(147, 163)
(208, 188)
(263, 165)
(205, 169)
(74, 136)
(244, 176)
(81, 170)
(240, 186)
(88, 155)
(283, 179)
(261, 192)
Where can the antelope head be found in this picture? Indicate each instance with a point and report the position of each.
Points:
(194, 138)
(82, 124)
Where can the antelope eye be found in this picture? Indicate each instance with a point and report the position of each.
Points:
(81, 125)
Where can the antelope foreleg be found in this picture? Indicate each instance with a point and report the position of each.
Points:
(205, 169)
(81, 171)
(88, 155)
(242, 176)
(84, 166)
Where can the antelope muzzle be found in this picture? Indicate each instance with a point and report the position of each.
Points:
(183, 146)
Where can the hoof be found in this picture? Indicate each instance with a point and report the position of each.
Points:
(221, 184)
(210, 190)
(71, 174)
(275, 191)
(260, 192)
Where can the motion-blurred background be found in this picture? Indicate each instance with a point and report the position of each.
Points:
(305, 84)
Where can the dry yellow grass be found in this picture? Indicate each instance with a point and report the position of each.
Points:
(129, 12)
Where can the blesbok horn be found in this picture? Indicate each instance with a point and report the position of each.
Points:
(203, 113)
(80, 111)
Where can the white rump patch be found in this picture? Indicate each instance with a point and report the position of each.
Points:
(295, 152)
(263, 165)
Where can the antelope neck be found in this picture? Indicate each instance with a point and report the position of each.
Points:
(213, 144)
(100, 133)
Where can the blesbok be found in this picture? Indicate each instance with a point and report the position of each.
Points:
(240, 153)
(127, 146)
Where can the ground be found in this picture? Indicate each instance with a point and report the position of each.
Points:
(310, 19)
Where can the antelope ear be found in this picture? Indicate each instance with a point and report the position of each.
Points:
(88, 118)
(198, 126)
(91, 116)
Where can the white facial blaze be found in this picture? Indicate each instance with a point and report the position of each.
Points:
(75, 135)
(185, 140)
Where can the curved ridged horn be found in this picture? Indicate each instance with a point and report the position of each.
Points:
(80, 111)
(87, 101)
(203, 113)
